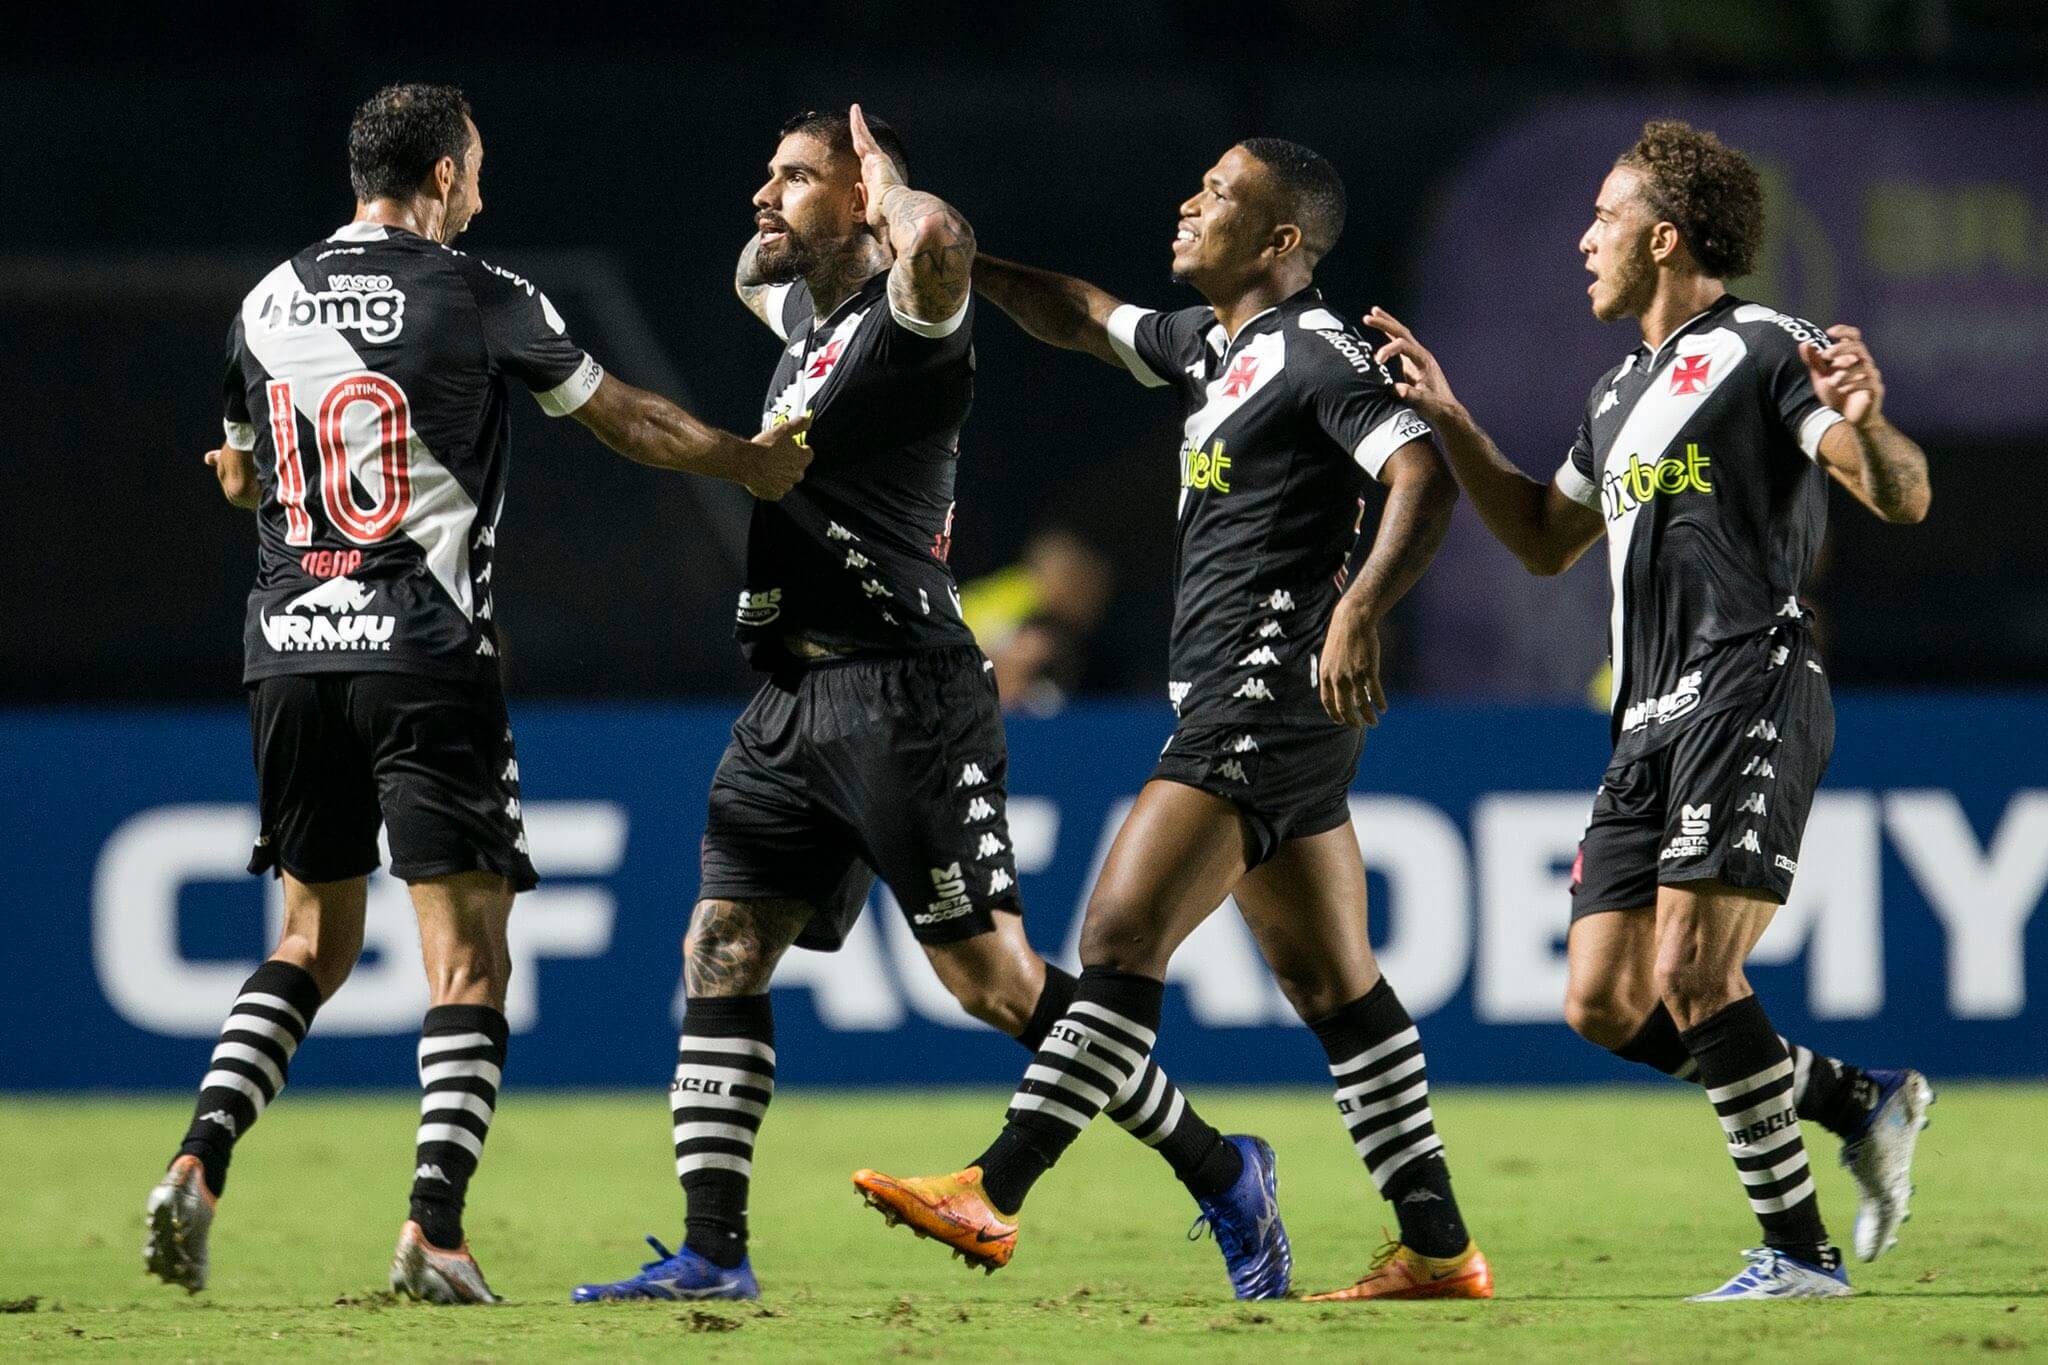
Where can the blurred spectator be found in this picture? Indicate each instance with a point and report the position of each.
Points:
(1034, 618)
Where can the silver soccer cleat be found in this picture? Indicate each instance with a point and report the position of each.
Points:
(1881, 1160)
(423, 1271)
(178, 1217)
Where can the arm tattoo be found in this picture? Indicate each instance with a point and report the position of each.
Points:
(1412, 527)
(1894, 473)
(733, 946)
(934, 255)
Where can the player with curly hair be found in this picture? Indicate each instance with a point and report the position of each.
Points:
(1701, 457)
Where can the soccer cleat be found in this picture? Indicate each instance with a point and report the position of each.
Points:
(680, 1274)
(421, 1270)
(1399, 1272)
(178, 1216)
(1880, 1157)
(1246, 1221)
(1774, 1275)
(953, 1209)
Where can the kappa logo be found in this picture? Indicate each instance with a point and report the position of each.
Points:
(1759, 767)
(1608, 402)
(1792, 609)
(971, 775)
(513, 810)
(834, 531)
(1244, 744)
(431, 1172)
(221, 1117)
(1694, 819)
(1269, 630)
(1261, 656)
(873, 587)
(1232, 769)
(1748, 842)
(759, 608)
(1000, 881)
(511, 773)
(1785, 864)
(1254, 689)
(950, 899)
(1779, 655)
(989, 846)
(1763, 729)
(1177, 692)
(329, 622)
(486, 649)
(1752, 805)
(979, 809)
(856, 560)
(1281, 600)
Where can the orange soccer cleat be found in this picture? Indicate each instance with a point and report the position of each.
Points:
(953, 1209)
(1398, 1272)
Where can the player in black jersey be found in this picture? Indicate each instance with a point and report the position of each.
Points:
(1275, 668)
(1701, 457)
(875, 745)
(368, 410)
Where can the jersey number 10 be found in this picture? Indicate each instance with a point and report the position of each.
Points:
(392, 454)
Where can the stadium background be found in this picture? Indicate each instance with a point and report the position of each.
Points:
(159, 159)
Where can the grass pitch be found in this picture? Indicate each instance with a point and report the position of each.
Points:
(1599, 1210)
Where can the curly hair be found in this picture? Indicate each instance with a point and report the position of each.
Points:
(399, 134)
(1709, 191)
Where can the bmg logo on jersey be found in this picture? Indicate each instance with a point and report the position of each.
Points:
(351, 303)
(1624, 490)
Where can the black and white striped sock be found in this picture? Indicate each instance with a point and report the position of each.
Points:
(1097, 1049)
(1825, 1090)
(462, 1064)
(1149, 1106)
(1748, 1075)
(1376, 1060)
(725, 1076)
(264, 1028)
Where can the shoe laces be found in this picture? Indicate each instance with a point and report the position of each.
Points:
(662, 1255)
(1384, 1257)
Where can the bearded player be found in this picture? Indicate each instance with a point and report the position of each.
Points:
(368, 396)
(1275, 668)
(876, 741)
(1704, 458)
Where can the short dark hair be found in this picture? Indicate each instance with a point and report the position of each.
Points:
(399, 133)
(1311, 191)
(1706, 189)
(835, 130)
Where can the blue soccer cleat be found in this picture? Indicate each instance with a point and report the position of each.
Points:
(675, 1275)
(1774, 1275)
(1246, 1221)
(1880, 1157)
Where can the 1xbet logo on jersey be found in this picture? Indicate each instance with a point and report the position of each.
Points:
(351, 303)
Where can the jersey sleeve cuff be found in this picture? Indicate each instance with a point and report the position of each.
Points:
(1386, 438)
(573, 392)
(240, 435)
(1123, 329)
(1576, 486)
(1814, 427)
(771, 309)
(934, 330)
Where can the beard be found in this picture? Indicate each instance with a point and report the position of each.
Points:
(1634, 281)
(786, 261)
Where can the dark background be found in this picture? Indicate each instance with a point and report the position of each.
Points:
(159, 159)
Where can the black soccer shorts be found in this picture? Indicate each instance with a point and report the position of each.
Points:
(1287, 781)
(895, 764)
(1726, 800)
(338, 754)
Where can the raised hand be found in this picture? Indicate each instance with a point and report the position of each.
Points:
(1844, 375)
(877, 172)
(1418, 380)
(785, 455)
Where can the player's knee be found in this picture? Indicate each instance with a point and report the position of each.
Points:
(1315, 993)
(1002, 1005)
(1121, 937)
(1600, 1016)
(1694, 991)
(328, 959)
(723, 952)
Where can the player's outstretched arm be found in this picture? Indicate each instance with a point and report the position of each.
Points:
(748, 284)
(1057, 309)
(1882, 466)
(934, 246)
(1542, 527)
(1420, 496)
(236, 470)
(647, 428)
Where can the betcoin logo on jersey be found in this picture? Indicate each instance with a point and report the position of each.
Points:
(334, 619)
(1624, 490)
(368, 304)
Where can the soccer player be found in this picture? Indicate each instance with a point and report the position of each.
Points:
(1701, 457)
(367, 398)
(1275, 672)
(877, 740)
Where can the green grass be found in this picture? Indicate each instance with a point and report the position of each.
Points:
(1599, 1210)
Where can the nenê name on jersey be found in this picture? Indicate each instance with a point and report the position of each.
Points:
(333, 620)
(1673, 704)
(1624, 490)
(330, 563)
(377, 312)
(759, 608)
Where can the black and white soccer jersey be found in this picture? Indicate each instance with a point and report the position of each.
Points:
(853, 560)
(370, 375)
(1286, 423)
(1702, 456)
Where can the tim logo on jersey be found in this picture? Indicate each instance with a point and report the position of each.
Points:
(334, 619)
(367, 304)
